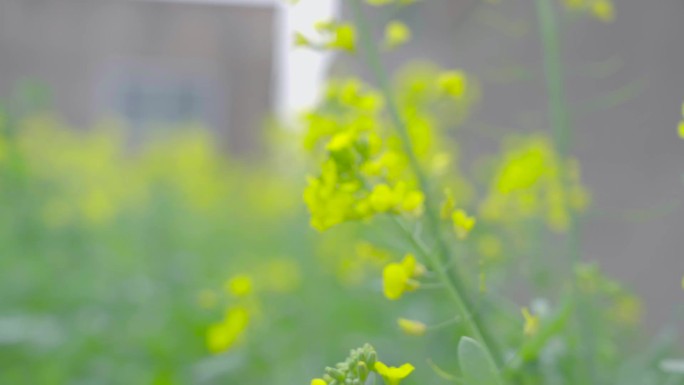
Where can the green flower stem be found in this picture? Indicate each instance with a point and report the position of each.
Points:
(450, 280)
(560, 122)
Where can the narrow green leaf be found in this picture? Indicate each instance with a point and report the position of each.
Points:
(476, 365)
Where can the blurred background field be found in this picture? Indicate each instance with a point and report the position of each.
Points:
(151, 179)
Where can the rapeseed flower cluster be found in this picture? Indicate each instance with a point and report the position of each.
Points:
(364, 171)
(241, 300)
(333, 35)
(223, 335)
(532, 181)
(242, 305)
(94, 177)
(359, 365)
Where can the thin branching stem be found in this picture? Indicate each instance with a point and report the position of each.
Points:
(559, 118)
(443, 254)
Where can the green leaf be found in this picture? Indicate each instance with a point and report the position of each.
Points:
(477, 366)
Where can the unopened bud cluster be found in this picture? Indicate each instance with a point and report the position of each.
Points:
(354, 370)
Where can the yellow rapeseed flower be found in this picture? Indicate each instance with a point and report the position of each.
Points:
(412, 201)
(344, 38)
(396, 34)
(397, 277)
(393, 375)
(382, 198)
(681, 129)
(453, 83)
(411, 327)
(240, 285)
(463, 223)
(223, 335)
(318, 381)
(394, 280)
(412, 267)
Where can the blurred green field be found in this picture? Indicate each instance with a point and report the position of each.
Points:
(152, 256)
(128, 263)
(115, 257)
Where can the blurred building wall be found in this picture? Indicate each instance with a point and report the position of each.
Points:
(625, 86)
(149, 62)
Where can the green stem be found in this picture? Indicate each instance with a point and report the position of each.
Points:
(451, 281)
(560, 122)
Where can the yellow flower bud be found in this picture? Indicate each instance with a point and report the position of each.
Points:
(411, 327)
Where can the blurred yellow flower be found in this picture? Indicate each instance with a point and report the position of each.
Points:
(318, 381)
(223, 335)
(382, 198)
(463, 223)
(627, 310)
(397, 277)
(412, 267)
(531, 326)
(411, 327)
(453, 83)
(393, 375)
(344, 38)
(603, 10)
(239, 286)
(532, 181)
(396, 34)
(394, 279)
(300, 40)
